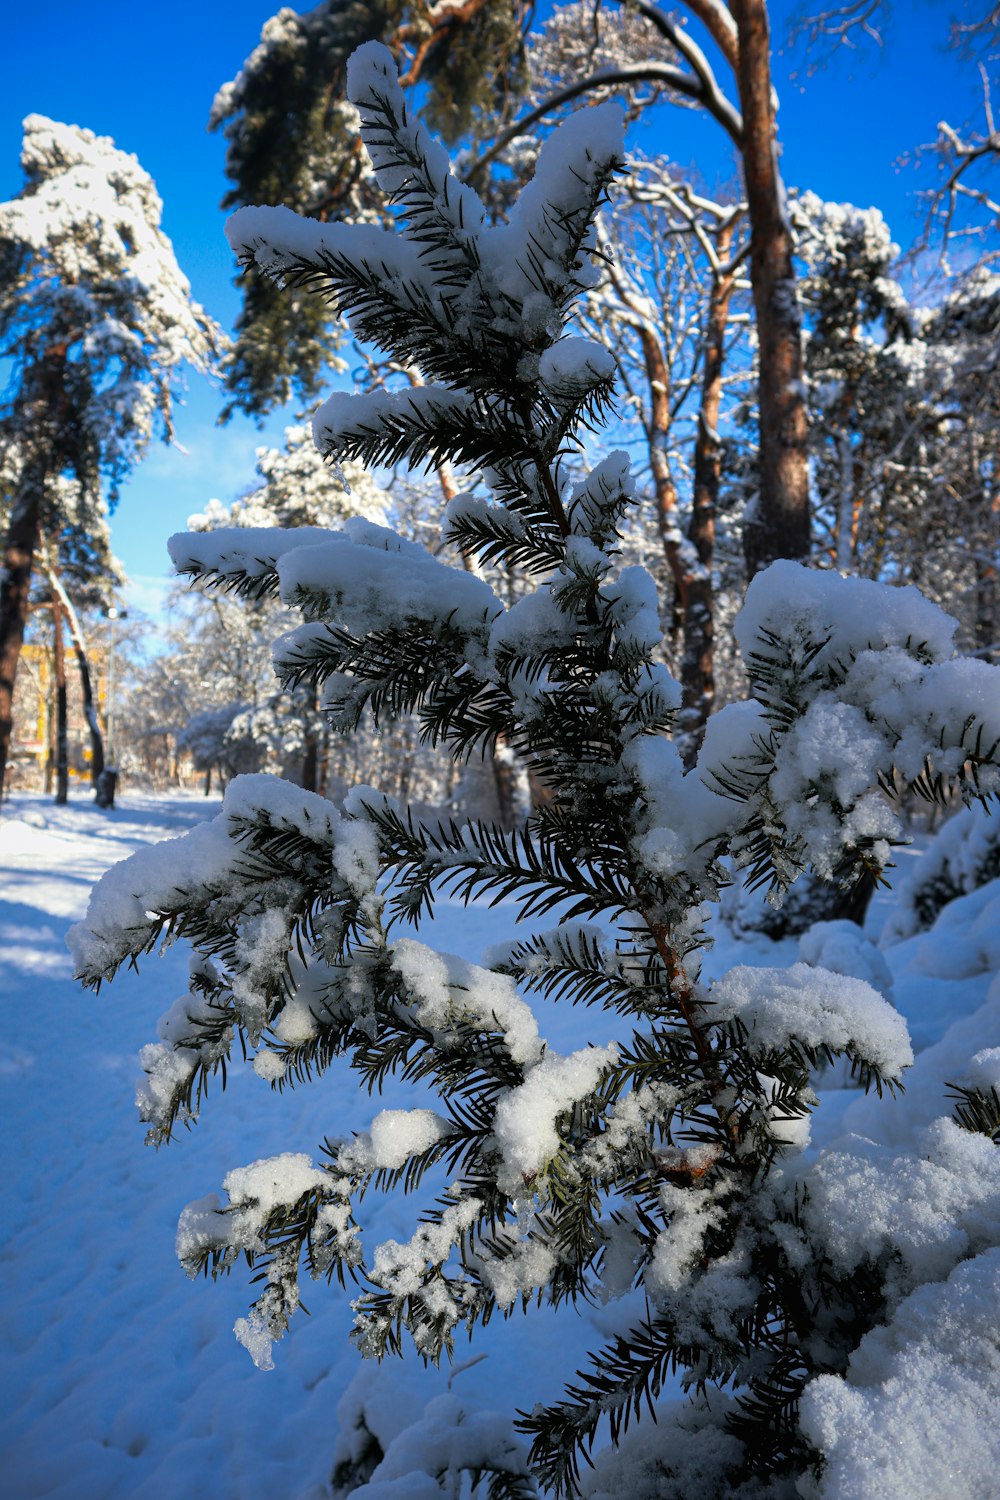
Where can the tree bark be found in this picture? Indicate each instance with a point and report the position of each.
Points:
(83, 666)
(20, 548)
(62, 725)
(698, 661)
(658, 437)
(310, 762)
(39, 412)
(779, 524)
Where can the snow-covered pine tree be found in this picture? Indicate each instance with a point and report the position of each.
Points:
(96, 318)
(667, 1159)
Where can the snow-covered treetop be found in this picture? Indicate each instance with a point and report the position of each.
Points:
(476, 307)
(837, 233)
(570, 45)
(93, 276)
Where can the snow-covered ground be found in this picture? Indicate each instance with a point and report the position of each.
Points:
(120, 1378)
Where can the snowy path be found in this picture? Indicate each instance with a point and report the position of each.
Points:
(121, 1378)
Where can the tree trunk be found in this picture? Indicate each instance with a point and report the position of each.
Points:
(323, 778)
(15, 584)
(86, 682)
(698, 661)
(310, 762)
(505, 785)
(779, 524)
(309, 775)
(658, 436)
(39, 414)
(62, 726)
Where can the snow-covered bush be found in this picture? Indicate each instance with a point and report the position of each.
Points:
(789, 914)
(668, 1159)
(964, 856)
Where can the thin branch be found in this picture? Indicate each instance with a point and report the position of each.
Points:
(650, 72)
(714, 100)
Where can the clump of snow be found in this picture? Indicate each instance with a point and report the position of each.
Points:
(127, 903)
(573, 366)
(815, 1007)
(919, 1211)
(526, 1116)
(234, 551)
(394, 1137)
(692, 1213)
(269, 1066)
(687, 1452)
(445, 988)
(169, 1064)
(854, 614)
(401, 1268)
(257, 1190)
(363, 579)
(982, 1071)
(525, 1266)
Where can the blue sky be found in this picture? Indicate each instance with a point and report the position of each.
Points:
(147, 78)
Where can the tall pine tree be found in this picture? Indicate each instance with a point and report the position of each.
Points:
(96, 318)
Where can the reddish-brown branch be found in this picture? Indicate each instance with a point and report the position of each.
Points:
(442, 24)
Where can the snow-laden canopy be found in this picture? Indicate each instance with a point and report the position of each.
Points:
(93, 277)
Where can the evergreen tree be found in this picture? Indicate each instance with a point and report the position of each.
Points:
(668, 1159)
(95, 317)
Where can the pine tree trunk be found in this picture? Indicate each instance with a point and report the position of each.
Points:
(845, 502)
(658, 379)
(15, 583)
(698, 661)
(310, 762)
(62, 725)
(39, 412)
(311, 755)
(779, 526)
(86, 682)
(505, 785)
